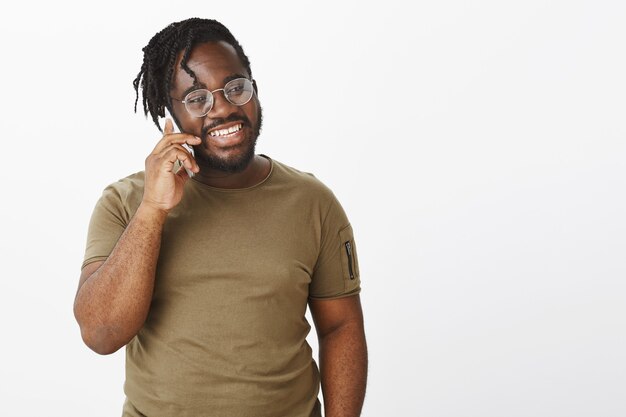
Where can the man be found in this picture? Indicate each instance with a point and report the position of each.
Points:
(203, 264)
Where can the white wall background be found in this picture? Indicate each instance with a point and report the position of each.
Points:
(478, 148)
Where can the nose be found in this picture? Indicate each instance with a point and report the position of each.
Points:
(221, 106)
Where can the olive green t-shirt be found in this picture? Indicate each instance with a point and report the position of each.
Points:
(225, 335)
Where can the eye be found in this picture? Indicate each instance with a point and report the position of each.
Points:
(197, 99)
(236, 89)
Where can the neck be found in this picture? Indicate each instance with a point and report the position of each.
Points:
(255, 172)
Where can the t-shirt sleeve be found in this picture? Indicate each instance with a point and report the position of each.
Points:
(108, 221)
(336, 272)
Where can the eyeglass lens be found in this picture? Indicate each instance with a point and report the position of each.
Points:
(237, 92)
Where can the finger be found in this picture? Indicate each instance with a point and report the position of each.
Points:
(182, 172)
(176, 138)
(170, 147)
(171, 156)
(169, 127)
(189, 162)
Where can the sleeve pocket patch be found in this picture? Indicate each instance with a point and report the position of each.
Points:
(349, 260)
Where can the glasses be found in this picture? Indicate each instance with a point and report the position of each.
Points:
(199, 102)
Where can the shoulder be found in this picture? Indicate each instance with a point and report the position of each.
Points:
(128, 185)
(308, 191)
(304, 182)
(126, 192)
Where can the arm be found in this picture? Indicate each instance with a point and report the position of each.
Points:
(113, 297)
(343, 354)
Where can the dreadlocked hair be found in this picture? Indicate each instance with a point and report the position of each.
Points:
(159, 58)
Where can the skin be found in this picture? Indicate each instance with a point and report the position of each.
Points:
(113, 297)
(213, 63)
(342, 354)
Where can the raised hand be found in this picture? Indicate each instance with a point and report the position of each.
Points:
(163, 188)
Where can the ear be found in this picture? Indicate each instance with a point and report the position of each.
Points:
(256, 88)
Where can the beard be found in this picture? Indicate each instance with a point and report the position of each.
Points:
(233, 164)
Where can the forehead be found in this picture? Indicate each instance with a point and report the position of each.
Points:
(212, 62)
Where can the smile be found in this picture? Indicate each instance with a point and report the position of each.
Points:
(227, 131)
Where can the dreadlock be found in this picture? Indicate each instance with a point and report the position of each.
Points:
(159, 58)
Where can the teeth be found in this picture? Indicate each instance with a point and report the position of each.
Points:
(222, 132)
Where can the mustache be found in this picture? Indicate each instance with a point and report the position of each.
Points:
(232, 118)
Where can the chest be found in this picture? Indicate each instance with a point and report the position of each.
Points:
(237, 250)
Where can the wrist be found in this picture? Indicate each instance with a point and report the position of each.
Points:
(151, 213)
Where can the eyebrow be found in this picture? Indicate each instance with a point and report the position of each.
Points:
(199, 85)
